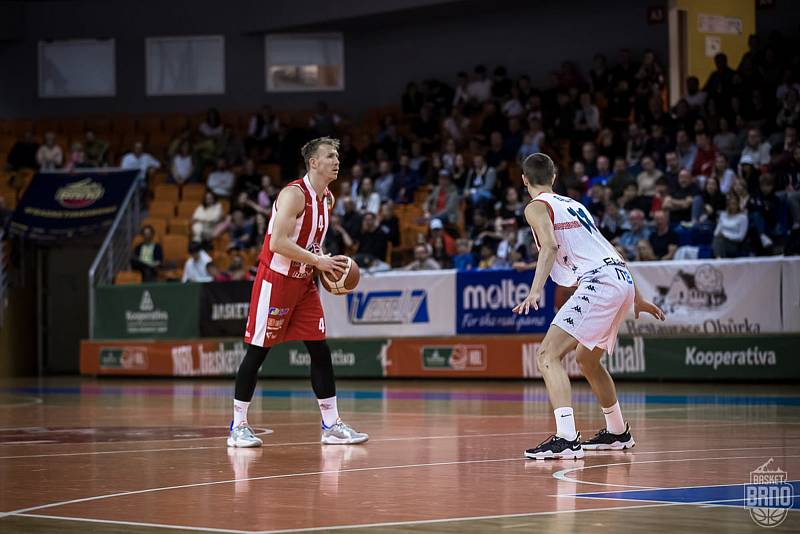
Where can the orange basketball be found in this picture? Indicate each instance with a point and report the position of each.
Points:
(345, 283)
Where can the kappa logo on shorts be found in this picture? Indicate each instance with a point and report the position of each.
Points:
(280, 312)
(591, 288)
(577, 309)
(594, 281)
(569, 321)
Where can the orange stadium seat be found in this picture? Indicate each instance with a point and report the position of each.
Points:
(162, 208)
(168, 192)
(186, 208)
(179, 225)
(193, 193)
(176, 248)
(128, 277)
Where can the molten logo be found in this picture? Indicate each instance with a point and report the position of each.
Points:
(80, 194)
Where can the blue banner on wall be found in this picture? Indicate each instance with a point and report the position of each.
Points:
(61, 205)
(484, 300)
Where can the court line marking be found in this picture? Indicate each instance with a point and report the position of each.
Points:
(375, 440)
(248, 479)
(136, 523)
(26, 401)
(408, 438)
(562, 474)
(339, 471)
(358, 526)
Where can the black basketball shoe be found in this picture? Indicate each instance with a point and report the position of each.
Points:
(556, 448)
(606, 441)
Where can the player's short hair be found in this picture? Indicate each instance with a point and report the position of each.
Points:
(310, 149)
(539, 169)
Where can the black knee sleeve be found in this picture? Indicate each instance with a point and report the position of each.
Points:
(248, 372)
(322, 379)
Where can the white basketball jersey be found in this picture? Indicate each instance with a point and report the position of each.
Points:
(581, 246)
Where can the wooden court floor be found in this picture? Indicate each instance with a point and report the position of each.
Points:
(149, 456)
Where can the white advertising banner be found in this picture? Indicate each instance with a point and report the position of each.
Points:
(394, 304)
(703, 297)
(790, 280)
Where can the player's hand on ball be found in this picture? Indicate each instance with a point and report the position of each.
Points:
(532, 300)
(648, 307)
(330, 264)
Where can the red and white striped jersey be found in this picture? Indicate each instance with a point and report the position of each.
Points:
(309, 231)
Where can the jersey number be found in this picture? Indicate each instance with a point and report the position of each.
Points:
(321, 224)
(584, 219)
(322, 324)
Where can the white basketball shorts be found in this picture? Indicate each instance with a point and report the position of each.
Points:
(594, 313)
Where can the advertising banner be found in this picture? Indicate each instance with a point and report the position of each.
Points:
(484, 300)
(61, 205)
(696, 358)
(221, 357)
(790, 282)
(395, 304)
(146, 311)
(714, 298)
(223, 308)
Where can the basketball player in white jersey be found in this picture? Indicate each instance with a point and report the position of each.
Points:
(574, 253)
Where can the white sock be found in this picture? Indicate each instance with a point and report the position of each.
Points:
(565, 423)
(329, 411)
(239, 412)
(615, 424)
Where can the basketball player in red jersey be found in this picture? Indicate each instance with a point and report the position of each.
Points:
(285, 305)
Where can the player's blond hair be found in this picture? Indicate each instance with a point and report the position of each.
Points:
(310, 149)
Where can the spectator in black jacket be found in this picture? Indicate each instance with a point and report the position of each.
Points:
(148, 255)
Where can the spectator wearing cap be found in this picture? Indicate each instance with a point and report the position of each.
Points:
(196, 267)
(444, 200)
(438, 237)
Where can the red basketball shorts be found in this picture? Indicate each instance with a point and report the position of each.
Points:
(283, 309)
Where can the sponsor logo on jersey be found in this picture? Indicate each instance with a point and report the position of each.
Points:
(273, 311)
(405, 306)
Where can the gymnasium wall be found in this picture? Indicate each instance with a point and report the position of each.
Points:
(385, 46)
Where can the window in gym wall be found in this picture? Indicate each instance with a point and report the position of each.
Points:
(193, 65)
(304, 62)
(77, 68)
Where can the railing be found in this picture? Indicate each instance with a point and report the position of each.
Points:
(3, 277)
(115, 252)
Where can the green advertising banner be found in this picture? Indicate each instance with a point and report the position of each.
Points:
(351, 358)
(702, 358)
(147, 311)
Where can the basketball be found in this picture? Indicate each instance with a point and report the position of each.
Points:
(345, 283)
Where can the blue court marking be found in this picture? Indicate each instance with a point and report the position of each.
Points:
(537, 396)
(725, 495)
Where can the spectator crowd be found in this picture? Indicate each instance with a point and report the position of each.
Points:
(436, 182)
